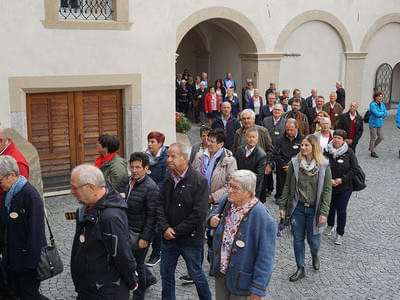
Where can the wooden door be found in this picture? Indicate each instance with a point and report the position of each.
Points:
(51, 129)
(64, 128)
(101, 113)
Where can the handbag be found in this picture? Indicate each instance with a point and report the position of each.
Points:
(359, 180)
(50, 263)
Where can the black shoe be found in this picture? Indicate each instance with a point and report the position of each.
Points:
(153, 260)
(373, 154)
(186, 279)
(315, 262)
(300, 273)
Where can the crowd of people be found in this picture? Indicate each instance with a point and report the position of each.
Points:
(171, 199)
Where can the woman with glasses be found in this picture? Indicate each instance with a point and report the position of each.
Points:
(305, 201)
(22, 233)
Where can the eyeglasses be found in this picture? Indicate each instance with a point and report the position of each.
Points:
(75, 188)
(234, 188)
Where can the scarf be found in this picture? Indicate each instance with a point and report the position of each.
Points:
(310, 168)
(154, 160)
(207, 165)
(337, 152)
(101, 159)
(16, 187)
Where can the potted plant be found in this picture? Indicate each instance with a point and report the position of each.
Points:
(182, 123)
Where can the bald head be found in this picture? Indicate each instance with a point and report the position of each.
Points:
(226, 109)
(353, 107)
(314, 93)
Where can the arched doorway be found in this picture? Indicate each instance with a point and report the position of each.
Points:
(396, 84)
(218, 45)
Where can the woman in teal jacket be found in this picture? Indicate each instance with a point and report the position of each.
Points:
(377, 116)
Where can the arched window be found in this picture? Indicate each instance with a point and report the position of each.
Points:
(383, 82)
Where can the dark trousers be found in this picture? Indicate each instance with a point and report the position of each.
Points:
(24, 285)
(183, 107)
(156, 245)
(170, 252)
(267, 186)
(145, 275)
(339, 206)
(280, 181)
(353, 146)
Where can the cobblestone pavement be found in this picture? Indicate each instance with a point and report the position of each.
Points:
(366, 266)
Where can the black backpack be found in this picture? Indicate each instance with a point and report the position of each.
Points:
(359, 180)
(366, 117)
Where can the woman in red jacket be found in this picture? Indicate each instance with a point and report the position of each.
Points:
(211, 105)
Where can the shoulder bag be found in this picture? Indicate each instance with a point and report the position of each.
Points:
(50, 263)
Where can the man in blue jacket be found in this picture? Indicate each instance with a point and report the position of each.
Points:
(243, 251)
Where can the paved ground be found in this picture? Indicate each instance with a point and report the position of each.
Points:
(366, 266)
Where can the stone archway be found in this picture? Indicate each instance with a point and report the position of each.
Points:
(203, 38)
(390, 18)
(315, 15)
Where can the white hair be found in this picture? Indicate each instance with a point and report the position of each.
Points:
(8, 165)
(183, 149)
(247, 179)
(203, 83)
(248, 111)
(89, 174)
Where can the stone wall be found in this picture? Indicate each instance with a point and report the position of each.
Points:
(32, 157)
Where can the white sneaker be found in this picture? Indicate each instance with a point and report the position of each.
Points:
(339, 239)
(329, 230)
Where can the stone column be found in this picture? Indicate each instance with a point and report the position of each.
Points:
(262, 68)
(354, 72)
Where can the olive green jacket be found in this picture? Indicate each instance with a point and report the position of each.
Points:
(289, 199)
(114, 172)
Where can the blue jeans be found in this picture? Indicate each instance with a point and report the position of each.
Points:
(170, 252)
(339, 206)
(302, 222)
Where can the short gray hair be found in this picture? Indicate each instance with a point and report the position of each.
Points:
(89, 174)
(183, 149)
(247, 179)
(250, 130)
(248, 111)
(8, 165)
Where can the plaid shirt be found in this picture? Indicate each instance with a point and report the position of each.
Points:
(232, 221)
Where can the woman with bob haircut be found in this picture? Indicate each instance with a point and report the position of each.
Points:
(305, 201)
(157, 154)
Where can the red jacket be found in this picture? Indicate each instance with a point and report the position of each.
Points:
(207, 103)
(21, 161)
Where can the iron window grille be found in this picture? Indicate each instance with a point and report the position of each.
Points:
(383, 82)
(85, 9)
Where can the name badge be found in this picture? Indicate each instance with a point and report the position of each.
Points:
(340, 161)
(13, 215)
(276, 132)
(240, 244)
(336, 115)
(82, 238)
(295, 147)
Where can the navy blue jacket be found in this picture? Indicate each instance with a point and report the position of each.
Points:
(25, 236)
(231, 126)
(253, 250)
(159, 170)
(102, 263)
